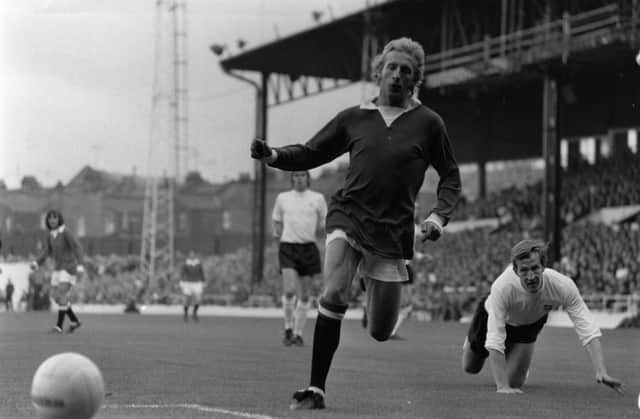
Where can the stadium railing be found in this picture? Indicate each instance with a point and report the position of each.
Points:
(527, 46)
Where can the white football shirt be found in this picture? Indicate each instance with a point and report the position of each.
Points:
(301, 213)
(509, 303)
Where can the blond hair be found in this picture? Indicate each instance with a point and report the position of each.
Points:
(405, 45)
(525, 248)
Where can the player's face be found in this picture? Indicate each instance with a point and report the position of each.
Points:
(299, 181)
(53, 221)
(396, 79)
(530, 272)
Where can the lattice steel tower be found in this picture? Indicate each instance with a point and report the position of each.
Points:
(168, 156)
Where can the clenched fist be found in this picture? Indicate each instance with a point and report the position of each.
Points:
(260, 150)
(431, 228)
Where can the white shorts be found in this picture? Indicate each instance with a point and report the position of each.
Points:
(62, 276)
(192, 289)
(372, 265)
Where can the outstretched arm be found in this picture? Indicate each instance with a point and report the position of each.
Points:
(587, 330)
(594, 349)
(496, 306)
(499, 370)
(330, 142)
(260, 150)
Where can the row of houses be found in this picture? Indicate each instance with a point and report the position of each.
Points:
(105, 211)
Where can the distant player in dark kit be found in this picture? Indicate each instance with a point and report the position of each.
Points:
(391, 142)
(67, 255)
(506, 324)
(192, 285)
(298, 221)
(8, 295)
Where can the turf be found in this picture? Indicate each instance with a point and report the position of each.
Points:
(159, 367)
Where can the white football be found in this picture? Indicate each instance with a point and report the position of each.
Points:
(67, 386)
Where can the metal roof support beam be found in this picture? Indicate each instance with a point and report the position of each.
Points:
(258, 226)
(635, 23)
(551, 155)
(260, 187)
(285, 88)
(374, 38)
(508, 53)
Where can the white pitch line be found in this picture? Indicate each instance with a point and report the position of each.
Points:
(189, 406)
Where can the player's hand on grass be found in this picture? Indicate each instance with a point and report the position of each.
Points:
(509, 390)
(611, 382)
(260, 150)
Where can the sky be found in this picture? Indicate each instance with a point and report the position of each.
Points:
(76, 83)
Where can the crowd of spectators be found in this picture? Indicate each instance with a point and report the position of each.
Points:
(601, 258)
(586, 187)
(608, 183)
(520, 204)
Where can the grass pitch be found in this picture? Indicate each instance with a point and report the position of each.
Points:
(159, 367)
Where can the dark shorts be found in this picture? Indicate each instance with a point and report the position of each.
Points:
(477, 334)
(304, 258)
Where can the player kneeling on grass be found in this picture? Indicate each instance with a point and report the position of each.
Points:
(192, 285)
(507, 322)
(66, 253)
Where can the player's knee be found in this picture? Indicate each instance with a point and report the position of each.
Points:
(331, 309)
(334, 296)
(304, 299)
(472, 367)
(517, 381)
(289, 294)
(471, 362)
(380, 336)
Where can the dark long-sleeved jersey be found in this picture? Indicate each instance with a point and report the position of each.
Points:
(192, 271)
(65, 250)
(386, 171)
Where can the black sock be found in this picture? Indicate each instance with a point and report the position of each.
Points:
(195, 309)
(186, 311)
(326, 337)
(61, 314)
(72, 315)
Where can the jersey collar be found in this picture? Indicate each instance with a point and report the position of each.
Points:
(57, 231)
(373, 104)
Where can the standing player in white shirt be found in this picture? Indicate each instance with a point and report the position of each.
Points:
(506, 324)
(298, 221)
